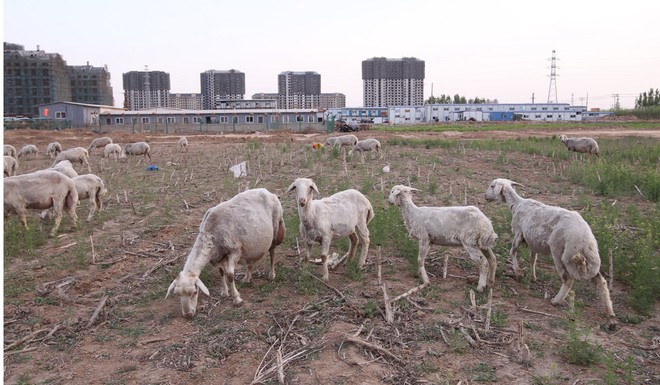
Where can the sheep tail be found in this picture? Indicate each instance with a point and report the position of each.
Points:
(281, 230)
(70, 202)
(580, 267)
(97, 197)
(488, 240)
(370, 214)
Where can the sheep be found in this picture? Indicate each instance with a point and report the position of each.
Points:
(99, 142)
(41, 190)
(464, 226)
(341, 141)
(27, 150)
(10, 150)
(112, 149)
(555, 231)
(90, 186)
(365, 145)
(585, 145)
(74, 155)
(139, 148)
(244, 229)
(183, 144)
(11, 165)
(53, 149)
(344, 214)
(66, 168)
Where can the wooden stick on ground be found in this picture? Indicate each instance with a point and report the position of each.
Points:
(369, 345)
(489, 308)
(97, 311)
(409, 292)
(538, 312)
(389, 313)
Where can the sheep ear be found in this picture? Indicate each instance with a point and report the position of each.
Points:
(170, 289)
(292, 187)
(202, 287)
(498, 188)
(415, 190)
(316, 189)
(516, 184)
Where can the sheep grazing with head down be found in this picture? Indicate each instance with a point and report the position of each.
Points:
(90, 186)
(10, 150)
(464, 226)
(183, 144)
(583, 145)
(74, 155)
(99, 142)
(53, 149)
(244, 229)
(112, 149)
(555, 231)
(366, 145)
(28, 149)
(341, 141)
(344, 214)
(66, 168)
(138, 148)
(11, 165)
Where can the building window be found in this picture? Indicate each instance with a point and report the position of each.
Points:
(223, 119)
(171, 119)
(537, 116)
(234, 119)
(572, 116)
(549, 116)
(285, 119)
(249, 119)
(60, 115)
(533, 108)
(197, 119)
(185, 120)
(145, 120)
(160, 120)
(119, 120)
(260, 119)
(555, 108)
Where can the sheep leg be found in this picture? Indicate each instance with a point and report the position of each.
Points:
(22, 218)
(271, 273)
(363, 235)
(601, 286)
(424, 246)
(479, 258)
(517, 240)
(86, 163)
(492, 265)
(224, 291)
(58, 219)
(534, 257)
(92, 209)
(325, 249)
(248, 273)
(350, 254)
(566, 284)
(229, 273)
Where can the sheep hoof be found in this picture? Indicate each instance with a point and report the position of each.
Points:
(238, 302)
(612, 324)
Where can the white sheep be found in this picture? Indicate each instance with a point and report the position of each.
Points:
(365, 145)
(344, 214)
(74, 155)
(464, 226)
(10, 150)
(341, 141)
(11, 165)
(183, 144)
(41, 190)
(112, 149)
(99, 142)
(552, 230)
(28, 149)
(244, 229)
(138, 148)
(90, 186)
(584, 145)
(66, 168)
(53, 149)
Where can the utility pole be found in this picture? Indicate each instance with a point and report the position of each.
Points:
(532, 98)
(553, 79)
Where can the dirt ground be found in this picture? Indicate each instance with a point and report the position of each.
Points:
(77, 316)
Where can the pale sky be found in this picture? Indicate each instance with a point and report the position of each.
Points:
(496, 49)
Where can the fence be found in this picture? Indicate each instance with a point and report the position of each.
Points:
(227, 128)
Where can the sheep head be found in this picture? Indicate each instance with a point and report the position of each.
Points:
(398, 192)
(305, 190)
(187, 286)
(494, 191)
(563, 138)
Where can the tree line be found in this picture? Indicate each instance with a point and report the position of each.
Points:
(650, 99)
(457, 99)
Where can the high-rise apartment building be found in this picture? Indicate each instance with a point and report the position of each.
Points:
(333, 100)
(91, 85)
(146, 89)
(299, 89)
(221, 85)
(393, 82)
(188, 101)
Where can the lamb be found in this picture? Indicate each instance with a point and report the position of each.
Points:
(243, 228)
(344, 214)
(74, 155)
(66, 168)
(90, 186)
(584, 145)
(10, 150)
(183, 144)
(99, 142)
(11, 165)
(464, 226)
(41, 190)
(28, 149)
(112, 149)
(53, 149)
(555, 231)
(341, 141)
(366, 145)
(139, 148)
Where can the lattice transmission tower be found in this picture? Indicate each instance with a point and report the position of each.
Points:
(552, 90)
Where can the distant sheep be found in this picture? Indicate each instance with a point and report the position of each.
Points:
(341, 141)
(583, 145)
(183, 144)
(112, 149)
(53, 149)
(74, 155)
(99, 142)
(66, 168)
(10, 150)
(244, 229)
(366, 145)
(28, 149)
(90, 186)
(11, 165)
(138, 148)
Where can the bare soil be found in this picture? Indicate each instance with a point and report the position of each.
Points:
(326, 334)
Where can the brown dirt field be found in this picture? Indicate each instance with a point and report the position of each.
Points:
(150, 221)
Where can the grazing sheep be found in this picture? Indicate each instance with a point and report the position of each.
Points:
(551, 230)
(183, 144)
(10, 150)
(41, 190)
(366, 145)
(53, 149)
(244, 229)
(112, 149)
(11, 165)
(341, 141)
(90, 186)
(74, 155)
(66, 168)
(344, 214)
(464, 226)
(99, 142)
(585, 145)
(139, 148)
(28, 149)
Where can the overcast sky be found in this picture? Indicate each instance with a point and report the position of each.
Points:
(495, 49)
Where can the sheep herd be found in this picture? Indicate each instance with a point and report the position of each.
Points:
(249, 225)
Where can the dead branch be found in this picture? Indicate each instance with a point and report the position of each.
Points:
(158, 265)
(111, 262)
(489, 308)
(29, 337)
(97, 311)
(336, 262)
(327, 285)
(389, 312)
(26, 350)
(409, 292)
(369, 345)
(467, 336)
(159, 339)
(280, 366)
(539, 312)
